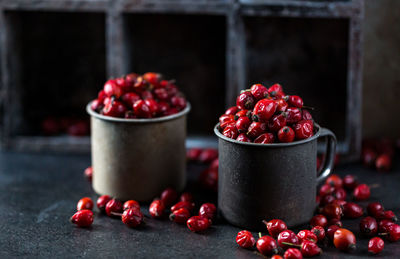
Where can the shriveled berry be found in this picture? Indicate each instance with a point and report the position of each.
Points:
(156, 209)
(293, 115)
(265, 138)
(277, 122)
(295, 101)
(259, 91)
(256, 129)
(304, 129)
(245, 239)
(287, 237)
(208, 210)
(131, 204)
(183, 204)
(375, 245)
(307, 235)
(310, 249)
(332, 211)
(114, 208)
(132, 217)
(292, 253)
(275, 226)
(198, 223)
(319, 232)
(245, 101)
(180, 215)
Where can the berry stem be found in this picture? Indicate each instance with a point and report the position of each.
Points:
(290, 244)
(259, 234)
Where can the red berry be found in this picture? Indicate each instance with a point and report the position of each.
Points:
(242, 124)
(384, 225)
(152, 78)
(125, 85)
(232, 110)
(375, 209)
(276, 91)
(265, 138)
(319, 220)
(113, 208)
(256, 129)
(375, 245)
(243, 113)
(368, 226)
(208, 155)
(319, 232)
(193, 154)
(286, 134)
(394, 233)
(295, 101)
(85, 204)
(102, 202)
(208, 210)
(131, 204)
(310, 249)
(361, 192)
(259, 91)
(307, 235)
(183, 204)
(180, 215)
(293, 115)
(276, 257)
(156, 209)
(245, 101)
(96, 105)
(153, 106)
(330, 231)
(287, 236)
(292, 253)
(130, 98)
(168, 196)
(131, 78)
(88, 173)
(334, 180)
(141, 109)
(277, 122)
(275, 227)
(209, 179)
(352, 210)
(332, 211)
(304, 129)
(245, 239)
(266, 245)
(215, 164)
(383, 162)
(336, 222)
(388, 214)
(187, 196)
(325, 190)
(243, 137)
(349, 182)
(282, 105)
(306, 115)
(132, 217)
(101, 96)
(112, 89)
(146, 95)
(114, 109)
(327, 199)
(264, 109)
(344, 239)
(223, 119)
(198, 223)
(340, 194)
(161, 94)
(82, 218)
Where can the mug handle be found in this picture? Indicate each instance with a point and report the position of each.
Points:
(329, 154)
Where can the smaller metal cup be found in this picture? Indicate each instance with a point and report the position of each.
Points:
(266, 181)
(138, 158)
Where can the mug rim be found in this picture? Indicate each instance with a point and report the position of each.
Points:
(294, 143)
(151, 120)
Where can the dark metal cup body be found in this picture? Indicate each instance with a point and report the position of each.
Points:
(138, 158)
(262, 182)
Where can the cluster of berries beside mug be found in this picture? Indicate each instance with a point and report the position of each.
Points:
(267, 115)
(139, 96)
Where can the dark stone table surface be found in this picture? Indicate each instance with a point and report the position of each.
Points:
(38, 194)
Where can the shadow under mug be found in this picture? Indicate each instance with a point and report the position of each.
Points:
(270, 181)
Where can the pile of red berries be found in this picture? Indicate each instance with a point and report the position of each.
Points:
(139, 96)
(266, 115)
(378, 154)
(208, 179)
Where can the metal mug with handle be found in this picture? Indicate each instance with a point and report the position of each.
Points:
(266, 181)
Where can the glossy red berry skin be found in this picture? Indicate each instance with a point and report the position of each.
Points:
(275, 226)
(231, 131)
(332, 211)
(152, 78)
(243, 138)
(383, 163)
(375, 245)
(334, 180)
(183, 204)
(352, 210)
(327, 199)
(319, 232)
(215, 164)
(187, 196)
(266, 245)
(310, 249)
(245, 101)
(336, 222)
(319, 220)
(198, 223)
(388, 214)
(161, 94)
(82, 218)
(292, 253)
(157, 209)
(232, 110)
(243, 113)
(330, 231)
(369, 226)
(180, 215)
(141, 109)
(245, 239)
(153, 106)
(277, 122)
(208, 210)
(307, 235)
(276, 91)
(223, 119)
(114, 109)
(131, 204)
(193, 154)
(286, 134)
(88, 173)
(394, 233)
(256, 129)
(132, 217)
(383, 225)
(375, 209)
(295, 101)
(326, 189)
(242, 124)
(344, 239)
(112, 89)
(306, 115)
(293, 115)
(265, 138)
(276, 257)
(96, 105)
(169, 196)
(287, 236)
(208, 155)
(85, 204)
(304, 129)
(340, 194)
(259, 91)
(264, 110)
(130, 98)
(102, 202)
(349, 182)
(113, 208)
(362, 192)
